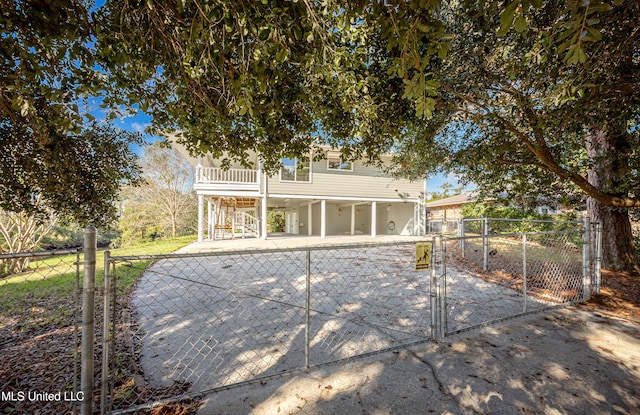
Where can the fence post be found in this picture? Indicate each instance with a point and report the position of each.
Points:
(88, 312)
(442, 289)
(524, 271)
(106, 333)
(462, 241)
(485, 245)
(435, 315)
(307, 326)
(586, 260)
(598, 265)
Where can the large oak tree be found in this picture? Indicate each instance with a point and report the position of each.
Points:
(534, 95)
(521, 115)
(53, 157)
(530, 96)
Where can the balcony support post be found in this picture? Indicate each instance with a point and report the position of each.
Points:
(264, 205)
(200, 218)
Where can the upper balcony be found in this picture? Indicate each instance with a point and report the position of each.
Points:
(216, 178)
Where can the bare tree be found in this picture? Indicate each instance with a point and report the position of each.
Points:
(22, 232)
(166, 200)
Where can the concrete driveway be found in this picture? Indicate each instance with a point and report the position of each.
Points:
(569, 361)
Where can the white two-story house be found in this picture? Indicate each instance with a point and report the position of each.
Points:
(317, 198)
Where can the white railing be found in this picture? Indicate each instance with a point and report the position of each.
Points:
(246, 223)
(230, 176)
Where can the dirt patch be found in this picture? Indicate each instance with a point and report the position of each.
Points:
(546, 280)
(38, 354)
(619, 294)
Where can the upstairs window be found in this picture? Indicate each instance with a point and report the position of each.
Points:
(334, 162)
(295, 170)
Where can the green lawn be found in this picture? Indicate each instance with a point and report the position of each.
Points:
(54, 278)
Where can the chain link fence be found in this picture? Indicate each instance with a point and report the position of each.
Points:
(491, 274)
(39, 332)
(196, 323)
(443, 226)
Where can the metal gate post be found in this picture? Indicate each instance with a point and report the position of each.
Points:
(76, 334)
(106, 334)
(598, 264)
(485, 245)
(307, 325)
(524, 271)
(586, 260)
(88, 313)
(434, 294)
(442, 290)
(462, 241)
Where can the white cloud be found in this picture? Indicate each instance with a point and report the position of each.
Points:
(139, 127)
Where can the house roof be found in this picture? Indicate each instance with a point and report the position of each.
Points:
(460, 199)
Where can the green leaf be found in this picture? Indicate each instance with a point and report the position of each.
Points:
(595, 8)
(521, 24)
(442, 51)
(507, 16)
(593, 34)
(16, 104)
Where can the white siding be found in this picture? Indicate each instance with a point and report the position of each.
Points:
(362, 182)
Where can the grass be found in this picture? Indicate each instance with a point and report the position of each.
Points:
(48, 280)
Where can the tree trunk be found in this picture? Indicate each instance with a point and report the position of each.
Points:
(618, 248)
(607, 154)
(174, 226)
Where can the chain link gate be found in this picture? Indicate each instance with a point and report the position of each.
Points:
(491, 275)
(196, 323)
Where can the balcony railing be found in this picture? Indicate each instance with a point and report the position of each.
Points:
(217, 175)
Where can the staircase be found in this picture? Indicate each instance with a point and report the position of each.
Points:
(232, 223)
(246, 223)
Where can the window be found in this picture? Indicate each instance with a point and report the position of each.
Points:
(335, 163)
(295, 170)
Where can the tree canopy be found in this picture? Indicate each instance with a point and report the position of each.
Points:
(373, 76)
(525, 95)
(53, 157)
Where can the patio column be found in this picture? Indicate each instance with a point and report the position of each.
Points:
(263, 215)
(353, 219)
(200, 218)
(374, 219)
(323, 218)
(310, 219)
(209, 218)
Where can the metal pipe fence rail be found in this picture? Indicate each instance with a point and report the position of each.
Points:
(40, 297)
(202, 322)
